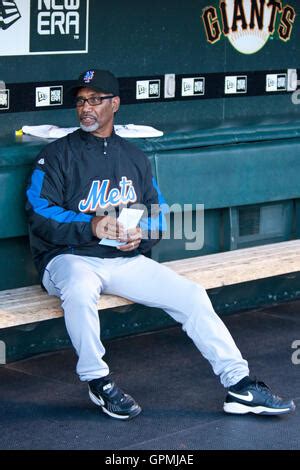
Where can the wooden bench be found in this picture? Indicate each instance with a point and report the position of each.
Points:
(31, 304)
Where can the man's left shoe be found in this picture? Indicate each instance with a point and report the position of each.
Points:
(256, 397)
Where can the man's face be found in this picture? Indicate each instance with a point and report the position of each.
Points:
(97, 119)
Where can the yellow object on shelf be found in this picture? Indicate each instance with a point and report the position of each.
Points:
(19, 132)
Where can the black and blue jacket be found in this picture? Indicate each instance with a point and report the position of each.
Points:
(74, 177)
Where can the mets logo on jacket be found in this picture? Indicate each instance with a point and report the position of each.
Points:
(101, 196)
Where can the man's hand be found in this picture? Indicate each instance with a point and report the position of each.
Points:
(108, 227)
(133, 239)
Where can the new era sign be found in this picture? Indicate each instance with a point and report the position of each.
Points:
(43, 27)
(4, 99)
(49, 96)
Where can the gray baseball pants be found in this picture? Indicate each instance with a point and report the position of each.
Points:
(80, 280)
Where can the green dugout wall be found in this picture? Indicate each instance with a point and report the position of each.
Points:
(145, 39)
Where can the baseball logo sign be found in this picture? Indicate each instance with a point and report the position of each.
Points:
(248, 24)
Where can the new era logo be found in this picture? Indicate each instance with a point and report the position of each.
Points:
(9, 14)
(276, 82)
(146, 89)
(49, 96)
(43, 27)
(193, 86)
(235, 84)
(4, 99)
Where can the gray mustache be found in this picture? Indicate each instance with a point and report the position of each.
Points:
(88, 116)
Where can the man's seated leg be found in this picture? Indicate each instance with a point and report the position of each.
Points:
(147, 282)
(77, 284)
(78, 281)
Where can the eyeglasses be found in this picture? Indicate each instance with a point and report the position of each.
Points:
(92, 101)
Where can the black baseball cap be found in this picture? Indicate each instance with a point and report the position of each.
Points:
(99, 80)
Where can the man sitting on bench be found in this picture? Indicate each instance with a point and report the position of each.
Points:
(91, 172)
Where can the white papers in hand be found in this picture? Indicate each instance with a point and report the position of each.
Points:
(129, 218)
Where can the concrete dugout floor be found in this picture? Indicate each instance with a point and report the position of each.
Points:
(44, 406)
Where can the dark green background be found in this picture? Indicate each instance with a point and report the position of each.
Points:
(134, 38)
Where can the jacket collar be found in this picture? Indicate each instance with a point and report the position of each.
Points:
(89, 138)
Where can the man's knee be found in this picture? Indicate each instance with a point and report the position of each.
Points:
(198, 301)
(81, 290)
(195, 292)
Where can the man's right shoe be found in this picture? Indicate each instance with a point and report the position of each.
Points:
(113, 401)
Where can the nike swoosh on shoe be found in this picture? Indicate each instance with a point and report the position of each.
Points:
(248, 397)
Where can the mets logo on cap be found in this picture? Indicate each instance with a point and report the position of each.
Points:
(89, 76)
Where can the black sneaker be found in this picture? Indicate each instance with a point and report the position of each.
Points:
(256, 397)
(105, 393)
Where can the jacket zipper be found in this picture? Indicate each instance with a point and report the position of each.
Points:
(104, 146)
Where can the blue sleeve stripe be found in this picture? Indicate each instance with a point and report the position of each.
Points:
(41, 205)
(158, 222)
(161, 199)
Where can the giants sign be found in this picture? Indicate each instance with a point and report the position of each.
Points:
(248, 24)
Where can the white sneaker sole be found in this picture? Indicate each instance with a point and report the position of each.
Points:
(238, 408)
